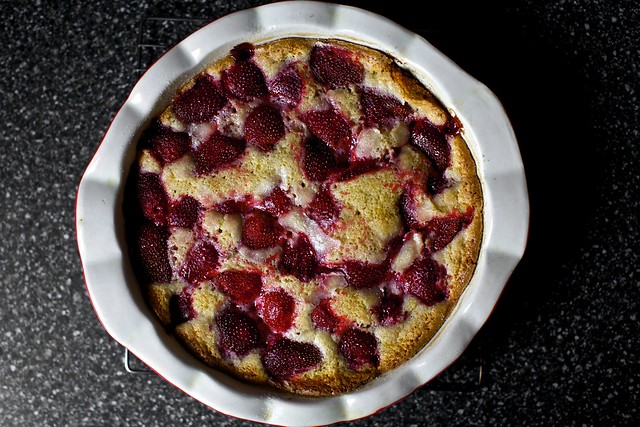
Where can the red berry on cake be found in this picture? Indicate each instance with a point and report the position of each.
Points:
(200, 262)
(323, 209)
(216, 152)
(170, 145)
(432, 142)
(285, 358)
(238, 333)
(245, 81)
(333, 128)
(277, 202)
(299, 258)
(382, 110)
(152, 198)
(264, 127)
(361, 275)
(277, 309)
(334, 66)
(440, 231)
(260, 230)
(324, 317)
(286, 87)
(318, 159)
(243, 287)
(184, 212)
(200, 103)
(359, 348)
(154, 254)
(426, 278)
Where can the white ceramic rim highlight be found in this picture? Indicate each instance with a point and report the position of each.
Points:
(115, 294)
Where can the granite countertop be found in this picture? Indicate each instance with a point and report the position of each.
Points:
(561, 347)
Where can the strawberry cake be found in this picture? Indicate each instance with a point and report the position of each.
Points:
(304, 214)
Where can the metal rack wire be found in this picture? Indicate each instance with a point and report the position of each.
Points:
(156, 36)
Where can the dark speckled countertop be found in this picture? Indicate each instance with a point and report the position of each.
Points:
(561, 347)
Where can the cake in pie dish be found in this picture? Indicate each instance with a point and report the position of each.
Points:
(304, 214)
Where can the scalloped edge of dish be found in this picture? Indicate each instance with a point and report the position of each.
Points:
(108, 275)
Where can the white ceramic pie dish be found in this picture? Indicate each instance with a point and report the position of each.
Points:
(116, 295)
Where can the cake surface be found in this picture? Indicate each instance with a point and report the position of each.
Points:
(304, 214)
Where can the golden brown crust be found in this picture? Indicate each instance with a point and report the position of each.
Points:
(366, 228)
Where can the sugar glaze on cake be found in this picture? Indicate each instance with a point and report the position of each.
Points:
(304, 214)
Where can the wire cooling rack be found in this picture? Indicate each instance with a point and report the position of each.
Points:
(158, 34)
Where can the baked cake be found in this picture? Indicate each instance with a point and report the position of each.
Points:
(304, 214)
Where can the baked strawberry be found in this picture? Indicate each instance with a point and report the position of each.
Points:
(277, 309)
(323, 209)
(440, 231)
(285, 358)
(432, 142)
(244, 80)
(233, 206)
(382, 110)
(286, 86)
(389, 310)
(243, 51)
(334, 66)
(200, 262)
(264, 127)
(333, 128)
(299, 259)
(184, 212)
(181, 307)
(242, 286)
(358, 348)
(217, 151)
(317, 159)
(277, 202)
(170, 145)
(260, 230)
(152, 198)
(362, 275)
(359, 167)
(323, 317)
(406, 205)
(201, 103)
(425, 278)
(238, 333)
(154, 253)
(437, 182)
